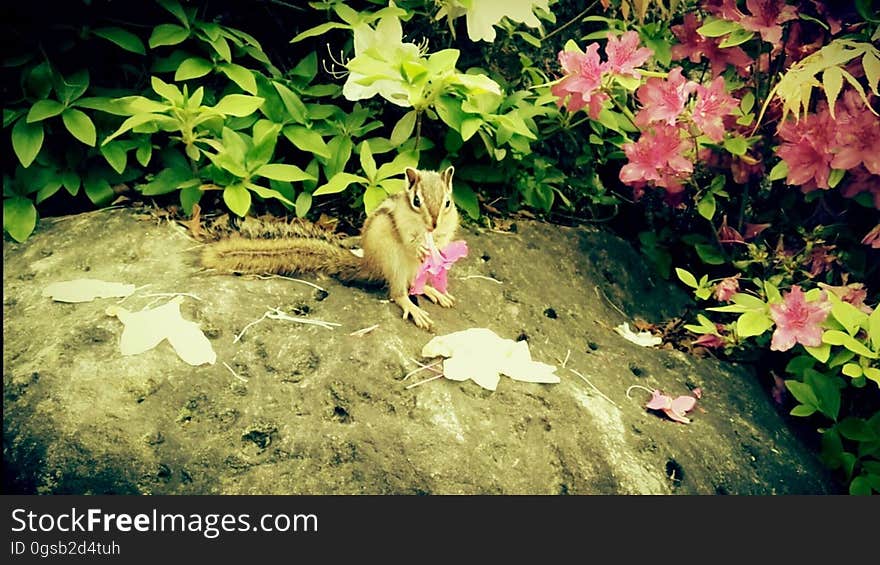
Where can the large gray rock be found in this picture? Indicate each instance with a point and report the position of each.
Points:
(313, 410)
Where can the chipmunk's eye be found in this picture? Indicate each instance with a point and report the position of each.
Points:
(417, 202)
(448, 203)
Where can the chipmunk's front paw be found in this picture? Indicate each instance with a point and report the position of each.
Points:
(424, 252)
(419, 316)
(445, 300)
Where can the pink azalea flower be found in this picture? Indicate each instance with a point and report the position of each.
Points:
(675, 409)
(435, 268)
(872, 238)
(854, 293)
(727, 234)
(709, 340)
(693, 46)
(857, 135)
(663, 100)
(725, 9)
(713, 103)
(779, 392)
(725, 289)
(798, 321)
(583, 78)
(765, 18)
(820, 259)
(754, 230)
(860, 180)
(807, 149)
(624, 54)
(658, 158)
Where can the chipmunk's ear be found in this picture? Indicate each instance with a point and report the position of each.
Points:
(412, 177)
(446, 176)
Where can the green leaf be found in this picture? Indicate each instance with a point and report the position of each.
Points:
(292, 103)
(307, 68)
(871, 65)
(319, 30)
(80, 126)
(749, 301)
(826, 391)
(709, 254)
(368, 164)
(832, 82)
(686, 277)
(856, 429)
(717, 27)
(466, 199)
(706, 206)
(237, 199)
(802, 392)
(168, 180)
(737, 37)
(174, 7)
(167, 91)
(753, 323)
(238, 105)
(71, 87)
(131, 123)
(27, 139)
(821, 352)
(799, 364)
(122, 38)
(194, 67)
(43, 109)
(241, 76)
(836, 337)
(874, 329)
(803, 410)
(779, 171)
(404, 127)
(850, 317)
(872, 373)
(115, 155)
(736, 145)
(303, 204)
(264, 193)
(221, 46)
(189, 197)
(19, 217)
(98, 189)
(289, 173)
(71, 182)
(860, 486)
(373, 196)
(308, 140)
(835, 176)
(338, 183)
(340, 148)
(167, 34)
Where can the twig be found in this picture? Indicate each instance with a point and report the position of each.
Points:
(480, 277)
(423, 368)
(599, 392)
(571, 21)
(174, 294)
(567, 355)
(242, 379)
(613, 305)
(364, 331)
(280, 315)
(434, 378)
(313, 285)
(238, 337)
(638, 386)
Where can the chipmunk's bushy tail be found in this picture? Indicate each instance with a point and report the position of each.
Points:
(286, 256)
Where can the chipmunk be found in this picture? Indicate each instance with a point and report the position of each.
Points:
(393, 240)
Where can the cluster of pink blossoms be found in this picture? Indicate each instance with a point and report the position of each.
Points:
(818, 143)
(661, 155)
(582, 84)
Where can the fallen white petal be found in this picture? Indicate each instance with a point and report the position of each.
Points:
(645, 339)
(86, 290)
